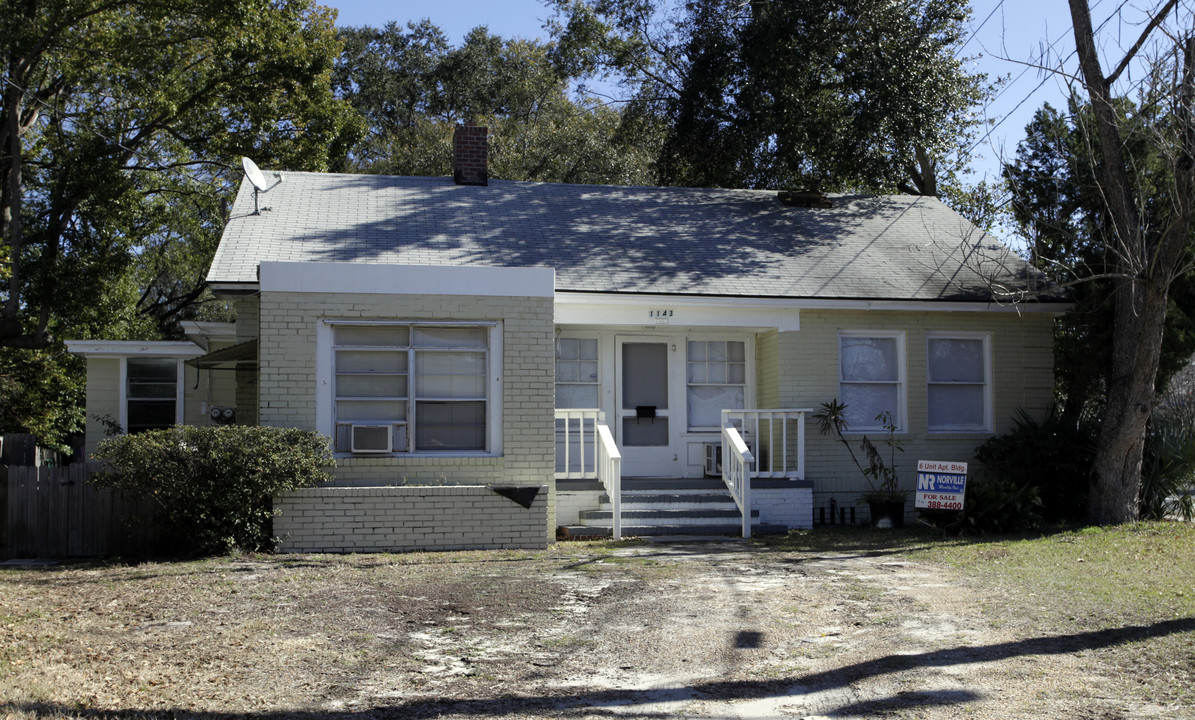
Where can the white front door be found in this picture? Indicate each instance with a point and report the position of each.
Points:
(649, 414)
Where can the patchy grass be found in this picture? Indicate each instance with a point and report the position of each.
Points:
(311, 633)
(1135, 583)
(1128, 574)
(1129, 590)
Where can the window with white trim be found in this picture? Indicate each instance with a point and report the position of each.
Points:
(871, 378)
(958, 375)
(716, 373)
(427, 384)
(576, 372)
(151, 393)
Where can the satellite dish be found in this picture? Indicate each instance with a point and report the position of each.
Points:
(257, 179)
(254, 174)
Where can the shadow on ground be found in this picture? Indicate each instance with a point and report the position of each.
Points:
(618, 703)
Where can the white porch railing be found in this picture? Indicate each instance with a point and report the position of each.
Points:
(736, 461)
(779, 452)
(576, 443)
(765, 454)
(585, 450)
(609, 472)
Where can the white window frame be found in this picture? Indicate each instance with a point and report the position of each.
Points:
(555, 359)
(325, 385)
(988, 395)
(748, 373)
(900, 416)
(179, 390)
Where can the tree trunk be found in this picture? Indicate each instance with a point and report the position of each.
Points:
(1136, 347)
(10, 322)
(1146, 260)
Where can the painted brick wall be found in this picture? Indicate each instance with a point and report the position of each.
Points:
(248, 317)
(216, 387)
(394, 519)
(792, 507)
(1022, 350)
(570, 503)
(287, 384)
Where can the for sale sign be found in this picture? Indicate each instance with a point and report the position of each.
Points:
(941, 485)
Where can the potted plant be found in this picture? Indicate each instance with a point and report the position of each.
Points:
(885, 499)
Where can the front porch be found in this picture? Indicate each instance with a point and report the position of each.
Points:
(754, 480)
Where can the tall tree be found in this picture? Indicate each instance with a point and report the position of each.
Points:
(1059, 209)
(119, 124)
(830, 94)
(413, 87)
(1149, 231)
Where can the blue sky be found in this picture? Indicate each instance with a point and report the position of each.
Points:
(1016, 33)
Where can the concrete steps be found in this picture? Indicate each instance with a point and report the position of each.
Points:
(669, 506)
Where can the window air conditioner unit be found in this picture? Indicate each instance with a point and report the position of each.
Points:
(370, 439)
(713, 459)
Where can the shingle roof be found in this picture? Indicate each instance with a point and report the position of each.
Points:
(623, 239)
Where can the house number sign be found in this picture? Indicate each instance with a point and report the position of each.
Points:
(656, 314)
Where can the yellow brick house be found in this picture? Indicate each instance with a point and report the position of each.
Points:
(495, 362)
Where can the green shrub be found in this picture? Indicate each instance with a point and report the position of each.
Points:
(1168, 468)
(992, 505)
(1054, 456)
(215, 485)
(1036, 473)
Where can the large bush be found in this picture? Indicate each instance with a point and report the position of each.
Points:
(1037, 472)
(992, 505)
(1168, 468)
(215, 485)
(1053, 456)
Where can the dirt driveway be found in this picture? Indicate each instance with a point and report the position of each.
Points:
(695, 629)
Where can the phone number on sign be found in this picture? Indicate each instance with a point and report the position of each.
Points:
(936, 505)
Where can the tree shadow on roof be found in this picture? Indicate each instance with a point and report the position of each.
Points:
(600, 238)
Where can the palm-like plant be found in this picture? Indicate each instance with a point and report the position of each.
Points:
(880, 474)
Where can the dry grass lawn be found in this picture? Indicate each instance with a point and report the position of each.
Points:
(831, 623)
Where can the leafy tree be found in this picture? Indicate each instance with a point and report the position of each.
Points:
(120, 121)
(41, 392)
(413, 88)
(1058, 207)
(1146, 205)
(827, 94)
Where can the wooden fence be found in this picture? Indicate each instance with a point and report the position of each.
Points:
(52, 512)
(21, 449)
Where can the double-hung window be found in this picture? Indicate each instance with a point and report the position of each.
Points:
(151, 393)
(426, 385)
(871, 367)
(717, 380)
(958, 375)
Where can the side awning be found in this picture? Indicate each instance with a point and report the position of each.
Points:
(239, 355)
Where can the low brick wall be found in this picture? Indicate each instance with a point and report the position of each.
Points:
(389, 519)
(570, 503)
(784, 502)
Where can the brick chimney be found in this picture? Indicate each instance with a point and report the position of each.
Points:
(470, 155)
